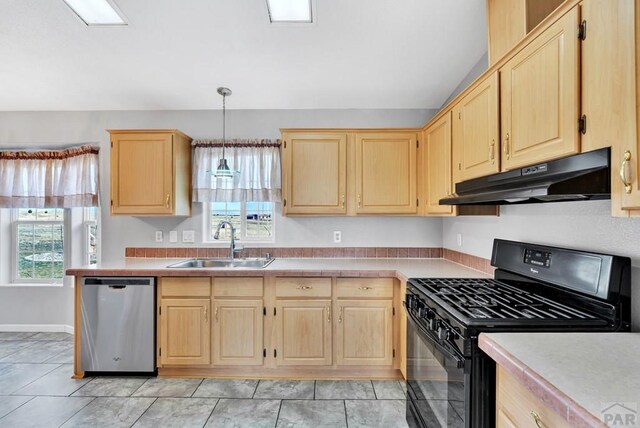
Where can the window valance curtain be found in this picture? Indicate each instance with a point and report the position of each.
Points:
(257, 167)
(49, 179)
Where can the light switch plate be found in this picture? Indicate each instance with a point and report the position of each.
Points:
(173, 236)
(189, 236)
(159, 237)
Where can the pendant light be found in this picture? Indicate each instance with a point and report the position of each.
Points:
(223, 170)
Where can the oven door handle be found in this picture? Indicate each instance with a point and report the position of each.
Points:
(447, 350)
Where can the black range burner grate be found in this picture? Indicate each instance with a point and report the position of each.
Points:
(491, 299)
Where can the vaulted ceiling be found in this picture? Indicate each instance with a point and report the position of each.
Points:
(173, 55)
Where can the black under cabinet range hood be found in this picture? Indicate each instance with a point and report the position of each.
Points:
(574, 178)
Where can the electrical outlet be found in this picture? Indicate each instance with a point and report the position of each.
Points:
(173, 236)
(159, 237)
(337, 236)
(189, 236)
(459, 236)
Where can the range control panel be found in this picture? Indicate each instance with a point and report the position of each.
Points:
(537, 258)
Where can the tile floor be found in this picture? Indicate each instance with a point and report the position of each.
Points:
(36, 390)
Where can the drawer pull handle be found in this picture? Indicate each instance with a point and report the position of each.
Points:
(216, 314)
(364, 288)
(304, 287)
(359, 201)
(206, 314)
(329, 314)
(168, 200)
(340, 315)
(536, 419)
(343, 201)
(625, 172)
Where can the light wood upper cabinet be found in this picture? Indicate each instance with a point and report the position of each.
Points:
(315, 173)
(237, 332)
(610, 53)
(436, 161)
(386, 173)
(150, 172)
(303, 332)
(364, 332)
(476, 132)
(540, 97)
(185, 328)
(508, 21)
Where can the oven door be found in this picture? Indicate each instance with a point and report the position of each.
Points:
(437, 384)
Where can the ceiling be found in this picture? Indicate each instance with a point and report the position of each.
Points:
(174, 54)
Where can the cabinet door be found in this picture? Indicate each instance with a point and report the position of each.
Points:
(506, 25)
(365, 332)
(386, 173)
(540, 97)
(437, 161)
(315, 173)
(609, 94)
(185, 332)
(303, 336)
(475, 132)
(142, 173)
(237, 332)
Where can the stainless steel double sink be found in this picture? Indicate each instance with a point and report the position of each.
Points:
(260, 263)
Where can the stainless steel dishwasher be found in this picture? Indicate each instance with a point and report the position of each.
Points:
(118, 324)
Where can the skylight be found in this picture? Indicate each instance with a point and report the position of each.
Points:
(96, 12)
(297, 11)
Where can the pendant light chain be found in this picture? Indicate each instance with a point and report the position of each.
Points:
(224, 123)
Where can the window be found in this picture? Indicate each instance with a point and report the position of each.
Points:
(90, 235)
(39, 243)
(253, 221)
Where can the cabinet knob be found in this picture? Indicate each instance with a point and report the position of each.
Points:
(625, 172)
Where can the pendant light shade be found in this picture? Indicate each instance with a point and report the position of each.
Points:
(223, 171)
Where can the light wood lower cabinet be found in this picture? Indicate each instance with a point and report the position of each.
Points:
(303, 332)
(237, 332)
(185, 327)
(365, 332)
(516, 406)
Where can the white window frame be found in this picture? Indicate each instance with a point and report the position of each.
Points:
(86, 224)
(15, 251)
(207, 235)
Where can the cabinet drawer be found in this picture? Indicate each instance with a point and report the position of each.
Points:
(365, 287)
(238, 287)
(515, 402)
(303, 287)
(185, 287)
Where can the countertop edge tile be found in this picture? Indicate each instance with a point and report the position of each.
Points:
(401, 269)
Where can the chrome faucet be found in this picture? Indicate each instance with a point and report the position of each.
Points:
(233, 248)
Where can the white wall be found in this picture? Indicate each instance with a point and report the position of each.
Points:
(57, 129)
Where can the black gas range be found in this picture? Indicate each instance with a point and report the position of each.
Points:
(536, 288)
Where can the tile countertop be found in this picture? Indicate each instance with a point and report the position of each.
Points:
(399, 268)
(577, 374)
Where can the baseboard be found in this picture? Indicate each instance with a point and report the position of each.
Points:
(46, 328)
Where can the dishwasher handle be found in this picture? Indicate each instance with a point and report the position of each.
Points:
(117, 282)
